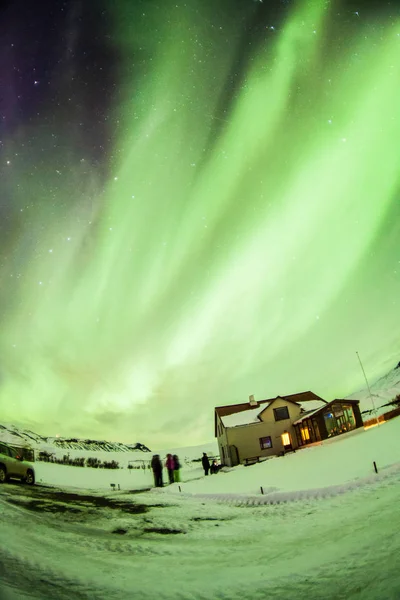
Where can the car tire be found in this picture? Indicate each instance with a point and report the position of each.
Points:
(30, 477)
(3, 474)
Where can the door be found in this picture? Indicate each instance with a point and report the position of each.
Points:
(234, 455)
(286, 441)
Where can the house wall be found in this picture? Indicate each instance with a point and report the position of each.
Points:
(267, 415)
(246, 438)
(222, 440)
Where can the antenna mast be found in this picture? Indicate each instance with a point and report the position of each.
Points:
(369, 389)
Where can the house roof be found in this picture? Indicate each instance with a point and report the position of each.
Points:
(323, 407)
(312, 405)
(245, 417)
(251, 417)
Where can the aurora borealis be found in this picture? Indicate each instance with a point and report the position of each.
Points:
(200, 201)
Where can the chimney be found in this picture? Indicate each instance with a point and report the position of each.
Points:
(252, 402)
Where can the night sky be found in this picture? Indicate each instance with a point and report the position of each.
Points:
(199, 201)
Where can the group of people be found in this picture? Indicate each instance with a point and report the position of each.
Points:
(172, 465)
(209, 468)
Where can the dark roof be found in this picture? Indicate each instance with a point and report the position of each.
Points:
(318, 410)
(230, 409)
(344, 400)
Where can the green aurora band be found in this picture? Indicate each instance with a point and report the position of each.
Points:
(229, 255)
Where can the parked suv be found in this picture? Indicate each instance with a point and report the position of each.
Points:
(13, 465)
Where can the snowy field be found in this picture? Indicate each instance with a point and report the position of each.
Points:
(338, 462)
(86, 478)
(326, 527)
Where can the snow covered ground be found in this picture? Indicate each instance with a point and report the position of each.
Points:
(127, 479)
(336, 463)
(216, 539)
(339, 461)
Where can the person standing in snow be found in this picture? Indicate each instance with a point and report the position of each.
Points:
(177, 469)
(206, 463)
(156, 465)
(170, 464)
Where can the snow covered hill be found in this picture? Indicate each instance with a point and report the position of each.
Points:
(23, 437)
(383, 391)
(132, 459)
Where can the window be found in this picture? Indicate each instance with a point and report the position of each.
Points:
(339, 420)
(265, 442)
(305, 433)
(4, 450)
(281, 413)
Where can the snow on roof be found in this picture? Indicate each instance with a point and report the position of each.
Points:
(251, 416)
(312, 405)
(306, 416)
(244, 418)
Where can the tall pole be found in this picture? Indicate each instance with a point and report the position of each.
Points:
(369, 389)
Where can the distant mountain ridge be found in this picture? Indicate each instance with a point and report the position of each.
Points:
(383, 392)
(24, 437)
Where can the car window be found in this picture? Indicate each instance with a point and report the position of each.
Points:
(13, 452)
(4, 450)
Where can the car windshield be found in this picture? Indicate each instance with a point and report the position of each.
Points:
(14, 453)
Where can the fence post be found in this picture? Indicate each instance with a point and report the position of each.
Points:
(262, 491)
(375, 467)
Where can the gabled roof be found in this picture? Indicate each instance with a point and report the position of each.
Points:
(230, 409)
(318, 410)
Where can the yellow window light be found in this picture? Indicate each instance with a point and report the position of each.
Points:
(305, 434)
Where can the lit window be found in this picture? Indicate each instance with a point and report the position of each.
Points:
(281, 413)
(285, 437)
(265, 442)
(305, 434)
